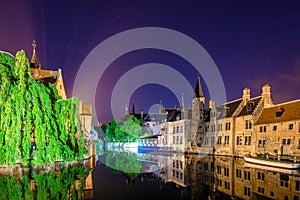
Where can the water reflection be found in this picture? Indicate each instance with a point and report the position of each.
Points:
(211, 177)
(57, 181)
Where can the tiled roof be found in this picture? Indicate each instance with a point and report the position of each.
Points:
(285, 112)
(250, 106)
(231, 107)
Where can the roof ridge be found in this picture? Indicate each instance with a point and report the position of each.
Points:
(280, 104)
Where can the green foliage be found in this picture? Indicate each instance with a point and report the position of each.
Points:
(33, 110)
(127, 130)
(53, 185)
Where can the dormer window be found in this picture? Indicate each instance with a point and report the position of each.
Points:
(249, 106)
(279, 113)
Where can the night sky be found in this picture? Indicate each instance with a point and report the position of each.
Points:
(251, 43)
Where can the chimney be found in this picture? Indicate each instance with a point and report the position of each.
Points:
(266, 95)
(246, 95)
(142, 114)
(210, 104)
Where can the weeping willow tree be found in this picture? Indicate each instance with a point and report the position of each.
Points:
(36, 125)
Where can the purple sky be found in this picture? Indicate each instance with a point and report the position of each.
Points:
(251, 43)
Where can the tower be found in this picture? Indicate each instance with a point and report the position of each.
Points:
(197, 126)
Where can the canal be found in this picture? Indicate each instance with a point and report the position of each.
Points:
(124, 175)
(153, 175)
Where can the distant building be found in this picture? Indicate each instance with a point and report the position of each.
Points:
(245, 126)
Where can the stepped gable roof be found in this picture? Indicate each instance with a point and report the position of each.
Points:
(231, 107)
(288, 111)
(250, 106)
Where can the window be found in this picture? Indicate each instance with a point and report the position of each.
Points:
(212, 179)
(227, 126)
(246, 175)
(249, 124)
(177, 129)
(260, 176)
(261, 190)
(263, 129)
(206, 128)
(219, 182)
(213, 128)
(298, 144)
(286, 141)
(272, 194)
(219, 140)
(219, 170)
(247, 191)
(296, 197)
(205, 140)
(291, 127)
(177, 140)
(181, 140)
(238, 173)
(227, 185)
(220, 127)
(226, 139)
(181, 129)
(239, 140)
(297, 185)
(275, 128)
(205, 165)
(299, 127)
(284, 180)
(261, 143)
(247, 140)
(173, 139)
(286, 198)
(212, 141)
(180, 164)
(226, 172)
(212, 167)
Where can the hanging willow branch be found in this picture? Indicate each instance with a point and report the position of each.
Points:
(36, 125)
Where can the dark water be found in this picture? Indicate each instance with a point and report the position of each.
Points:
(124, 175)
(179, 176)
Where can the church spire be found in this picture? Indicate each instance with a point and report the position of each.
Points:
(34, 61)
(133, 109)
(198, 89)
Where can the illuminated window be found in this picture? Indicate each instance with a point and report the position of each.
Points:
(246, 175)
(248, 124)
(262, 129)
(219, 140)
(247, 140)
(227, 126)
(226, 139)
(247, 191)
(238, 173)
(239, 140)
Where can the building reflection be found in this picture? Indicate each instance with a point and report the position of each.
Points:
(224, 177)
